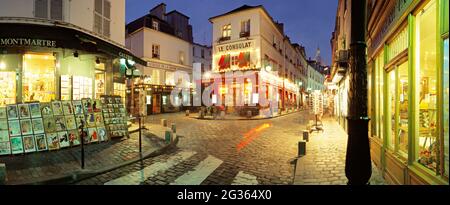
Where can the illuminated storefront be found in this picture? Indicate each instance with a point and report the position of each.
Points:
(62, 63)
(408, 69)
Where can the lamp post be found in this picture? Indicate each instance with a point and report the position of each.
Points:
(358, 167)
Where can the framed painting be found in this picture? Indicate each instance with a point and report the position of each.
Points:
(63, 139)
(35, 110)
(118, 100)
(103, 99)
(49, 124)
(5, 148)
(41, 142)
(26, 127)
(38, 125)
(3, 125)
(93, 136)
(57, 108)
(110, 100)
(3, 114)
(102, 135)
(16, 145)
(74, 138)
(87, 105)
(46, 109)
(4, 136)
(12, 112)
(24, 111)
(78, 107)
(87, 138)
(60, 123)
(97, 106)
(90, 120)
(70, 123)
(99, 119)
(14, 128)
(52, 141)
(28, 144)
(68, 108)
(80, 119)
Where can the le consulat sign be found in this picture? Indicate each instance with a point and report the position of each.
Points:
(26, 42)
(235, 46)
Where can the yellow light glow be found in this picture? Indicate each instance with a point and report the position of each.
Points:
(2, 65)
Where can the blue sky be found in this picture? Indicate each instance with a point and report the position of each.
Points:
(307, 22)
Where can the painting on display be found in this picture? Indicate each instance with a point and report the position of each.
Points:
(49, 124)
(101, 132)
(67, 108)
(97, 106)
(4, 136)
(29, 144)
(14, 128)
(52, 141)
(4, 125)
(80, 120)
(90, 120)
(78, 107)
(24, 111)
(86, 136)
(3, 113)
(93, 136)
(38, 125)
(26, 127)
(35, 110)
(41, 142)
(74, 138)
(87, 105)
(57, 108)
(70, 122)
(98, 119)
(63, 139)
(12, 112)
(60, 123)
(46, 109)
(5, 148)
(16, 145)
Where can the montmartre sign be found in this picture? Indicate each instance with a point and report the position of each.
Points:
(28, 42)
(235, 46)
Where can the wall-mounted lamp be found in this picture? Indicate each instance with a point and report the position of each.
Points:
(97, 61)
(75, 54)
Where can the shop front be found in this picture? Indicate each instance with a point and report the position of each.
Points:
(408, 75)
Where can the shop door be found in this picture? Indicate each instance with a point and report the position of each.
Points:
(156, 102)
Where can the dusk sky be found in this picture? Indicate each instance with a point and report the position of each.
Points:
(307, 22)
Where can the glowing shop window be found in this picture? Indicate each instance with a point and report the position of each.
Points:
(446, 122)
(38, 82)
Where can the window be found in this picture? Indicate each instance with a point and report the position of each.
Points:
(202, 67)
(102, 17)
(42, 8)
(379, 90)
(226, 32)
(182, 57)
(38, 80)
(426, 140)
(155, 25)
(203, 53)
(245, 28)
(155, 51)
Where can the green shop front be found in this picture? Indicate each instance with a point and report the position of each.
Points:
(409, 90)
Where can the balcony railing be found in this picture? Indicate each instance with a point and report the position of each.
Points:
(244, 34)
(155, 56)
(224, 38)
(343, 56)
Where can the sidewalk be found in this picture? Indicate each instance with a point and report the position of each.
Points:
(236, 117)
(47, 166)
(324, 162)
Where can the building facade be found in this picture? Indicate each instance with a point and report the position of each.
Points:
(248, 39)
(202, 54)
(164, 40)
(407, 44)
(62, 50)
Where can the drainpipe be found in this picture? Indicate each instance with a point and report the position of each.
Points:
(358, 167)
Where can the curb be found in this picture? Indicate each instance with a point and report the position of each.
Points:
(77, 176)
(218, 119)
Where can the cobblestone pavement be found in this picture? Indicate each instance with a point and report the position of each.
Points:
(33, 167)
(219, 152)
(324, 162)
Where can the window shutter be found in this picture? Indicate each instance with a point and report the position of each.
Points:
(98, 6)
(106, 28)
(97, 23)
(41, 9)
(107, 10)
(56, 9)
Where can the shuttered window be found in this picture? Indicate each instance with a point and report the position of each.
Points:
(98, 6)
(107, 9)
(41, 8)
(56, 9)
(102, 17)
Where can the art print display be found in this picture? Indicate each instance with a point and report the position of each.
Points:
(97, 106)
(38, 125)
(12, 112)
(60, 123)
(110, 100)
(90, 120)
(35, 110)
(118, 100)
(87, 105)
(5, 148)
(93, 136)
(16, 145)
(49, 124)
(102, 135)
(98, 119)
(74, 138)
(78, 107)
(3, 114)
(46, 109)
(4, 136)
(81, 120)
(24, 111)
(57, 108)
(26, 127)
(41, 142)
(63, 139)
(70, 122)
(52, 141)
(14, 128)
(103, 100)
(28, 144)
(87, 138)
(68, 108)
(3, 125)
